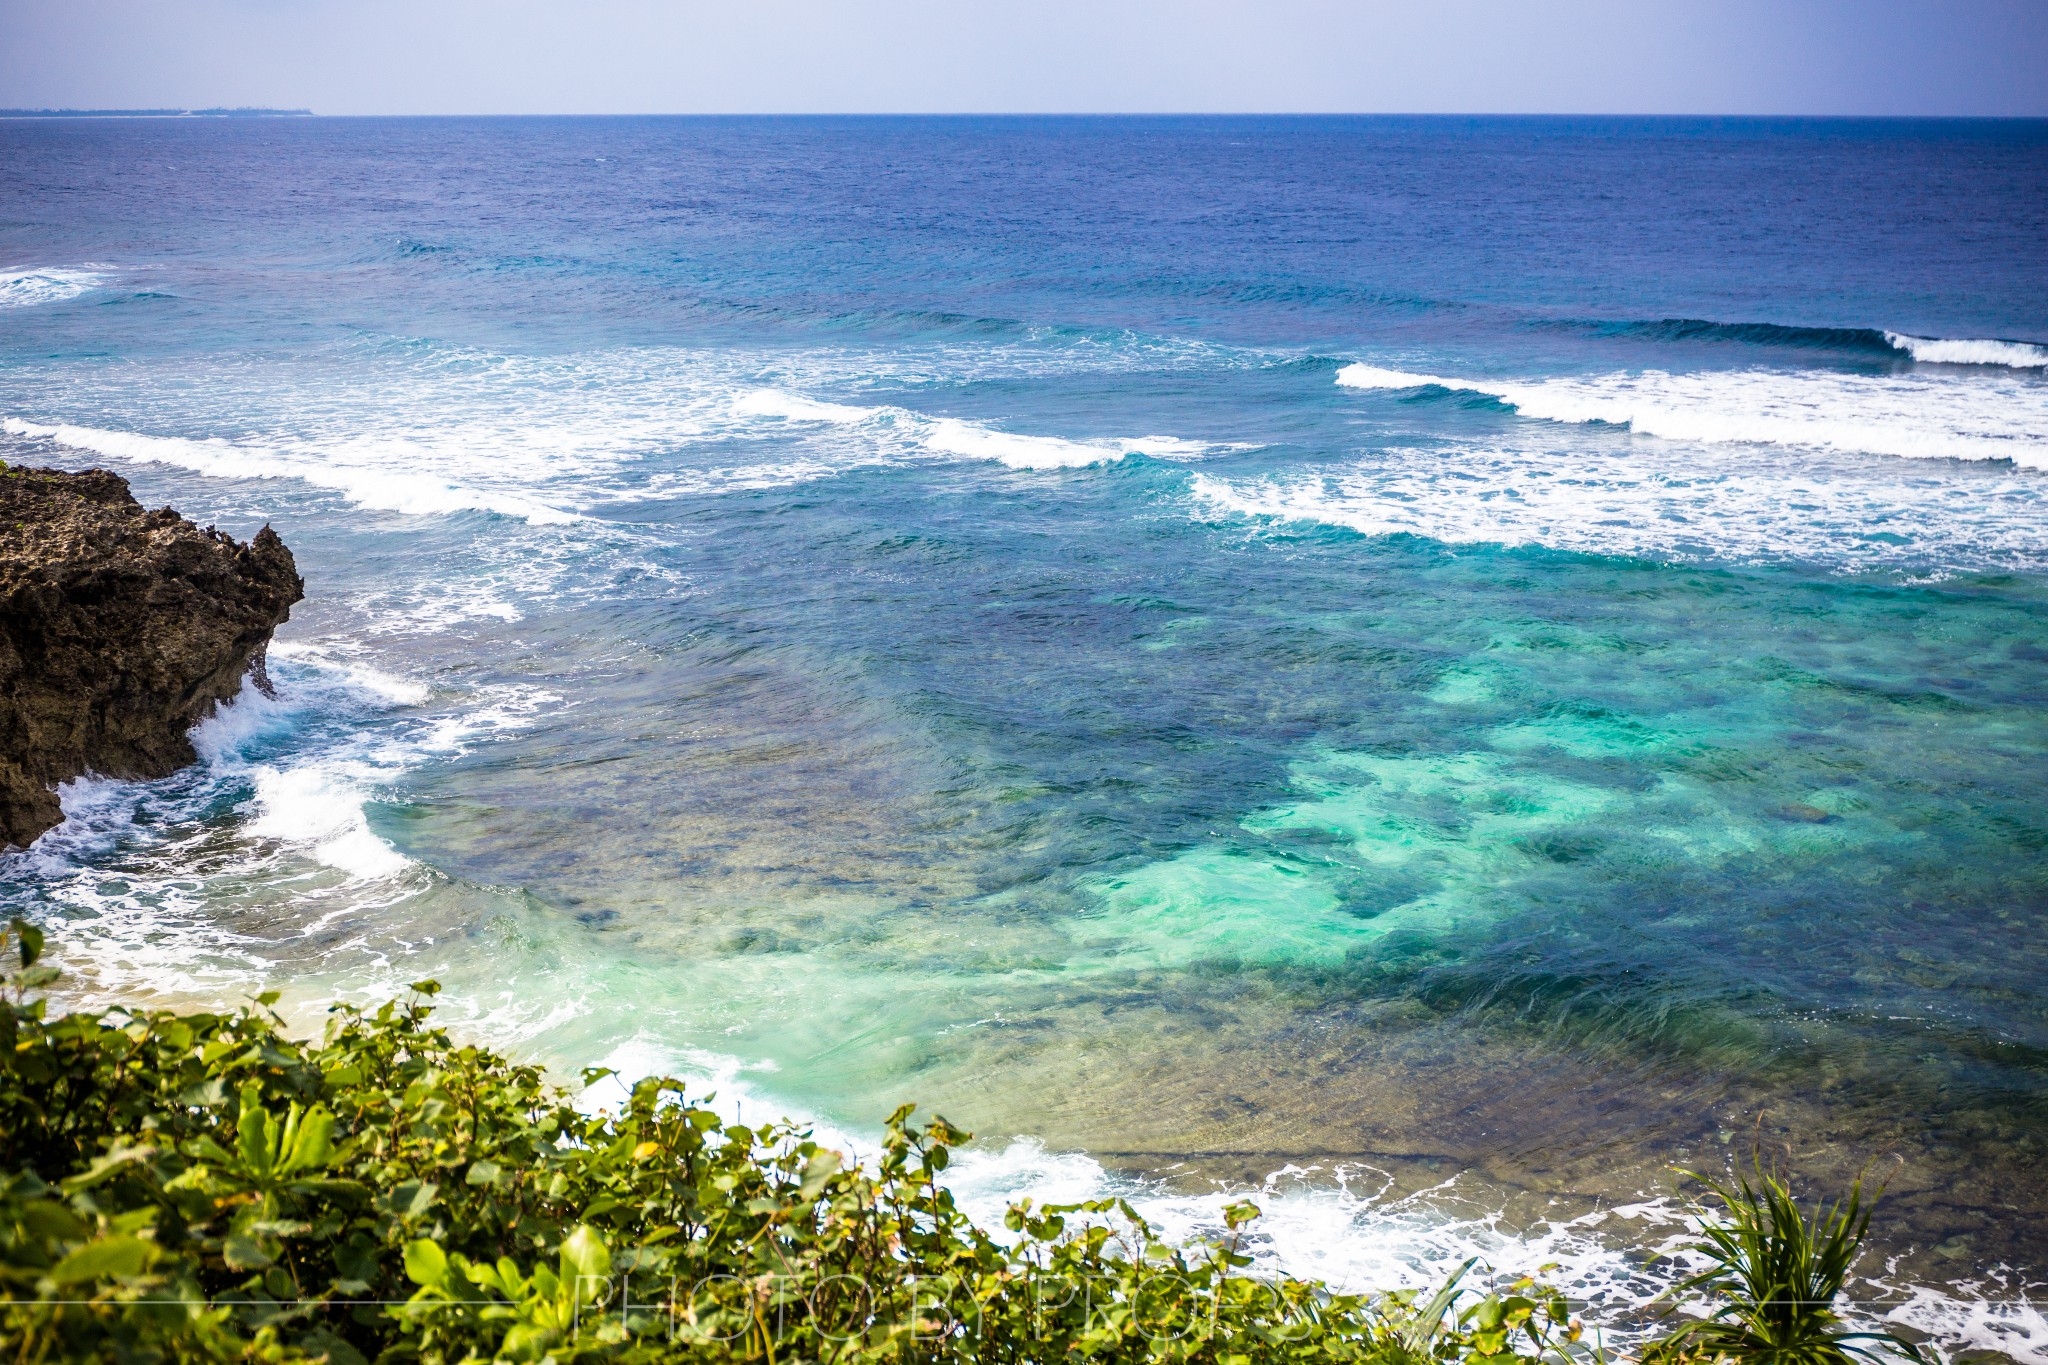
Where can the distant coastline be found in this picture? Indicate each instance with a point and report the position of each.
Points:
(156, 113)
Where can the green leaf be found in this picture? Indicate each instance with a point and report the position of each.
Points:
(322, 1342)
(29, 939)
(255, 1133)
(108, 1258)
(409, 1199)
(586, 1263)
(525, 1342)
(208, 1094)
(107, 1164)
(425, 1264)
(818, 1171)
(357, 1259)
(50, 1221)
(243, 1252)
(504, 1276)
(1422, 1330)
(312, 1146)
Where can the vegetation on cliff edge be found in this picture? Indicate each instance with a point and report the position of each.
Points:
(188, 1187)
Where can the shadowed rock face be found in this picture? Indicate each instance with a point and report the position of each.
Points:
(119, 629)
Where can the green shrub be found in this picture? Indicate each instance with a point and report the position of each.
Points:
(199, 1187)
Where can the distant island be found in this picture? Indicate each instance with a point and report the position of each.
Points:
(156, 113)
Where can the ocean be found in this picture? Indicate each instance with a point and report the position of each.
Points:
(1426, 670)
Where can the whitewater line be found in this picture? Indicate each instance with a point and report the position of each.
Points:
(1910, 416)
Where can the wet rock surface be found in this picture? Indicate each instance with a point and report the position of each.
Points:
(120, 628)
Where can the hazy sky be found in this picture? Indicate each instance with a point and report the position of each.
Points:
(685, 56)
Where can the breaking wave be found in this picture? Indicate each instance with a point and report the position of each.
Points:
(967, 440)
(1908, 415)
(1869, 341)
(2019, 355)
(276, 813)
(1723, 504)
(25, 288)
(385, 479)
(425, 429)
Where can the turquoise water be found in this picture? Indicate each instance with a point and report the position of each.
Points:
(1214, 652)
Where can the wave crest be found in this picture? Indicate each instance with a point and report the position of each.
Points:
(2018, 355)
(968, 440)
(25, 288)
(1873, 341)
(1910, 416)
(1864, 339)
(384, 485)
(1722, 504)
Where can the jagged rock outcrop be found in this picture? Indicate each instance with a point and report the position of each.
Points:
(119, 628)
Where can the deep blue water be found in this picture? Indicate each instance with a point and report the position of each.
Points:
(1508, 652)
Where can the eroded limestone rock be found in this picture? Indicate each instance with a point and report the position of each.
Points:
(119, 629)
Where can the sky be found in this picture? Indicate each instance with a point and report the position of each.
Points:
(1977, 57)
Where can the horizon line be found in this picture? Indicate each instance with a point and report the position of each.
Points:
(226, 113)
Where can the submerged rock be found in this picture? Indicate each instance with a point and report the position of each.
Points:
(119, 629)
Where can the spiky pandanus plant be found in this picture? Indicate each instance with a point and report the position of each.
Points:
(1774, 1277)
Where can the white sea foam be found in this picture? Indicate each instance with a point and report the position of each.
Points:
(949, 437)
(1924, 416)
(197, 883)
(1340, 1224)
(1984, 1316)
(1726, 504)
(967, 440)
(2020, 355)
(1360, 375)
(387, 483)
(347, 672)
(775, 403)
(313, 804)
(975, 442)
(748, 477)
(320, 808)
(547, 439)
(26, 288)
(317, 803)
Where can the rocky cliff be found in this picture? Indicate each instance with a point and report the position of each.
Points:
(119, 628)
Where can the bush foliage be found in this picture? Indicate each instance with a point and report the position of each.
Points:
(201, 1187)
